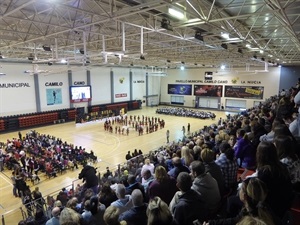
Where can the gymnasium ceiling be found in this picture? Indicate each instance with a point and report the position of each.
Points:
(118, 32)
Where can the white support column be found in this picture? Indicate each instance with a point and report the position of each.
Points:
(123, 37)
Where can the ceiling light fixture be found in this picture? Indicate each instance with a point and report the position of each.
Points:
(225, 35)
(176, 13)
(222, 67)
(182, 67)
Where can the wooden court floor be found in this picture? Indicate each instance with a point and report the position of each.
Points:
(109, 148)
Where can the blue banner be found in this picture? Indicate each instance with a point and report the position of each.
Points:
(180, 89)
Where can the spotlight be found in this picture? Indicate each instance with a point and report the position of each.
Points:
(166, 24)
(181, 67)
(222, 67)
(30, 56)
(198, 35)
(142, 57)
(47, 48)
(224, 46)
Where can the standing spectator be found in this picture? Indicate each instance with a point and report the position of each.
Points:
(13, 180)
(188, 128)
(137, 214)
(168, 136)
(183, 131)
(187, 205)
(128, 156)
(1, 160)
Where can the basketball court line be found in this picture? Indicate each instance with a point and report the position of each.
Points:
(4, 177)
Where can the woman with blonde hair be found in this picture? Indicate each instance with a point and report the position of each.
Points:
(158, 213)
(186, 157)
(162, 186)
(69, 217)
(111, 216)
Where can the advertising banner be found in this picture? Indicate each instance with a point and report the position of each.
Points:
(180, 89)
(244, 92)
(54, 96)
(208, 90)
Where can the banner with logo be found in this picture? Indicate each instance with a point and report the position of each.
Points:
(208, 90)
(180, 89)
(244, 92)
(54, 96)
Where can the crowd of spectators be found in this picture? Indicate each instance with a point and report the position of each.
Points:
(189, 182)
(185, 112)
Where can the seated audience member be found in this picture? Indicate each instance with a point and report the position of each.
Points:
(124, 201)
(276, 177)
(228, 165)
(269, 137)
(133, 184)
(206, 186)
(253, 194)
(137, 214)
(245, 151)
(107, 195)
(147, 179)
(162, 186)
(55, 217)
(108, 173)
(251, 220)
(97, 209)
(111, 216)
(40, 217)
(187, 205)
(286, 152)
(69, 217)
(186, 157)
(208, 158)
(178, 167)
(159, 213)
(87, 215)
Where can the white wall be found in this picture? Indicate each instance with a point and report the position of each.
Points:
(121, 84)
(270, 81)
(16, 100)
(101, 89)
(139, 84)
